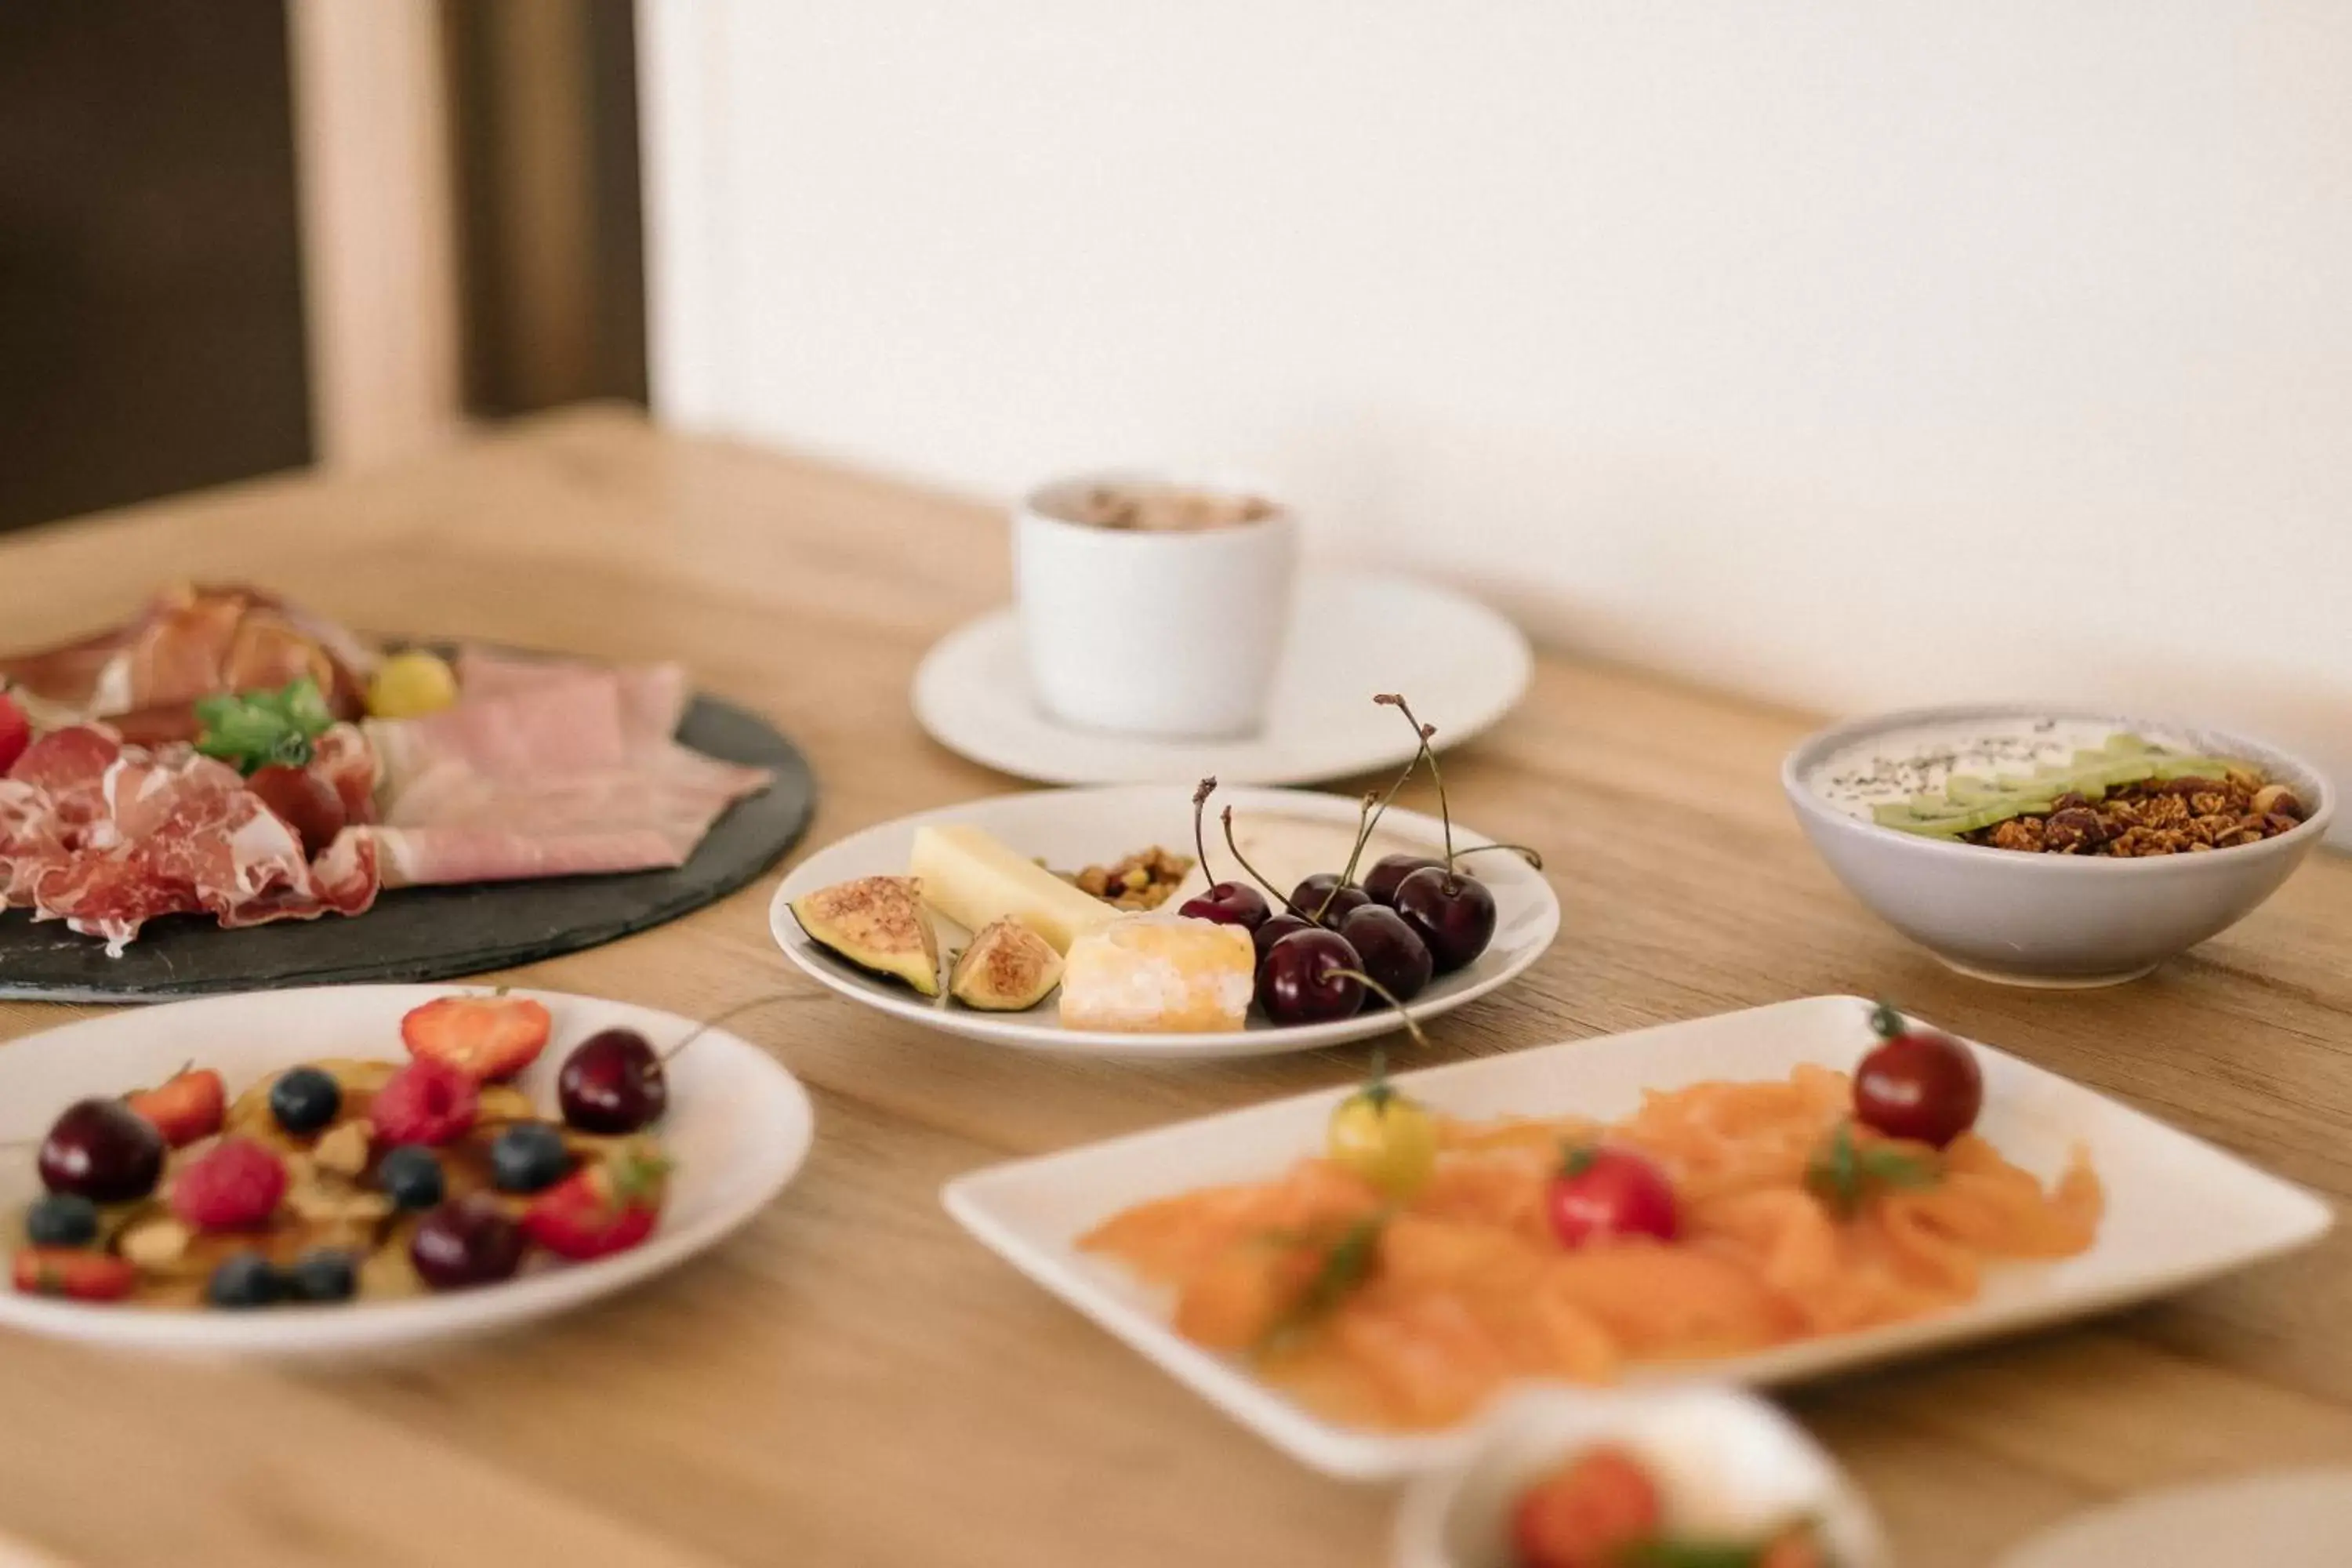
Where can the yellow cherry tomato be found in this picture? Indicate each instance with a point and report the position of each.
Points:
(411, 685)
(1385, 1138)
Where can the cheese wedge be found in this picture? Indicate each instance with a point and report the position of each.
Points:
(1159, 973)
(973, 877)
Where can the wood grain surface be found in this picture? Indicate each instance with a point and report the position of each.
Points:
(852, 1381)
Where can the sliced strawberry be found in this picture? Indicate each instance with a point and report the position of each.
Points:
(16, 733)
(233, 1185)
(74, 1273)
(604, 1208)
(485, 1037)
(186, 1107)
(427, 1103)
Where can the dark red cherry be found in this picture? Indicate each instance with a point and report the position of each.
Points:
(1450, 911)
(1381, 881)
(103, 1150)
(1329, 900)
(1275, 929)
(613, 1083)
(1303, 979)
(1229, 903)
(468, 1242)
(1392, 952)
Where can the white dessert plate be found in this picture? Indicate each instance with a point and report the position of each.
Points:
(2298, 1519)
(2179, 1211)
(1461, 665)
(1728, 1464)
(1286, 834)
(738, 1127)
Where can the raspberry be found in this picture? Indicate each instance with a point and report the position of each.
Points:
(234, 1185)
(425, 1102)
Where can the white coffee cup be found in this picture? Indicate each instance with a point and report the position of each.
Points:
(1166, 632)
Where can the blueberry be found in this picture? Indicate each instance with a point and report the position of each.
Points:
(411, 1177)
(323, 1274)
(62, 1219)
(243, 1280)
(305, 1100)
(528, 1156)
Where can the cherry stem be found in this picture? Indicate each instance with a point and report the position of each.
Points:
(1523, 851)
(1423, 733)
(1208, 787)
(720, 1017)
(1411, 1025)
(1364, 819)
(1242, 860)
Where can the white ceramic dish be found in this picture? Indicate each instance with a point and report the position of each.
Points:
(2058, 921)
(1729, 1465)
(2179, 1211)
(2300, 1518)
(739, 1127)
(1079, 828)
(1462, 666)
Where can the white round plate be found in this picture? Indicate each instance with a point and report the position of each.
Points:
(2300, 1518)
(1285, 833)
(1460, 664)
(739, 1126)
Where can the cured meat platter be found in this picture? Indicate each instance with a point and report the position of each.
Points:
(231, 794)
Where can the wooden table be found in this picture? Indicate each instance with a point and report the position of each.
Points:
(853, 1381)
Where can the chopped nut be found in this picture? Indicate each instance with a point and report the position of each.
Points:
(344, 1151)
(156, 1243)
(2277, 800)
(1142, 880)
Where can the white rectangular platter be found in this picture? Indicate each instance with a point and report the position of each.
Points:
(2179, 1211)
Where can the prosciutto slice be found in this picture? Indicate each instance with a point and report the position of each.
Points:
(107, 836)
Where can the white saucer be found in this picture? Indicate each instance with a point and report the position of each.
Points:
(1287, 833)
(1460, 664)
(2297, 1519)
(738, 1127)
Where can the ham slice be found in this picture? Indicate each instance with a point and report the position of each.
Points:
(548, 768)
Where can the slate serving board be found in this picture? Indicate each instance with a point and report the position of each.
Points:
(434, 933)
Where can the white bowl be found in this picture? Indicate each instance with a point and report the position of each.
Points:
(2052, 920)
(1728, 1463)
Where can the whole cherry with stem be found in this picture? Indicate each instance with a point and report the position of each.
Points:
(1227, 903)
(1454, 914)
(1311, 976)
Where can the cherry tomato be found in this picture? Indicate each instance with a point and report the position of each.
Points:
(303, 801)
(1588, 1513)
(1919, 1083)
(1799, 1547)
(1602, 1193)
(1385, 1138)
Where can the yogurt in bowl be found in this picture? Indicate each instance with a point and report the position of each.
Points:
(1909, 809)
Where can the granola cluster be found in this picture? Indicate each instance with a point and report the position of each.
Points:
(2156, 817)
(1140, 881)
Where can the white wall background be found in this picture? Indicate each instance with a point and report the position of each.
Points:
(1847, 352)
